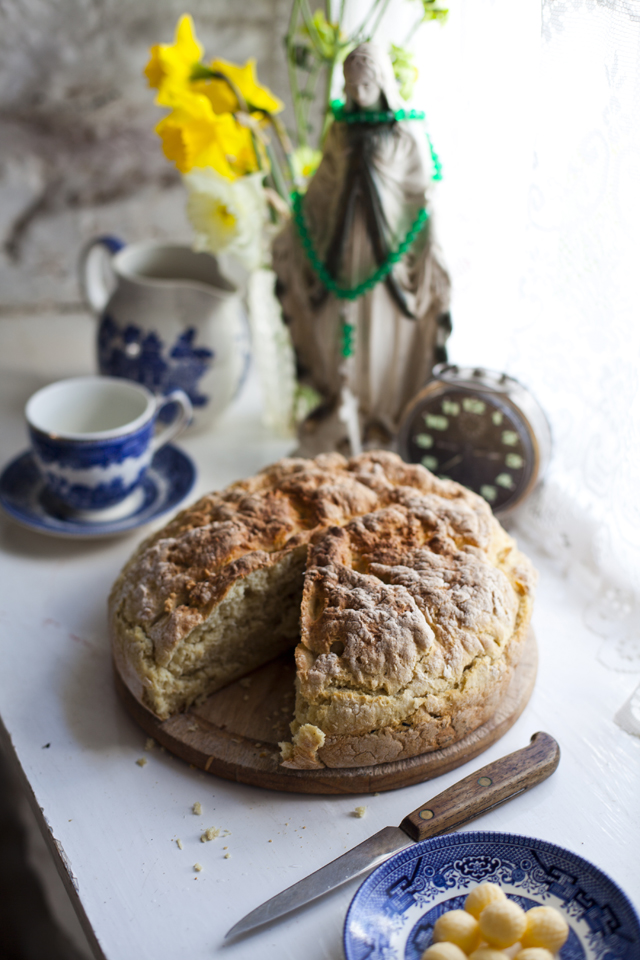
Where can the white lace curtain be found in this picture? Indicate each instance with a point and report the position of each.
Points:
(535, 109)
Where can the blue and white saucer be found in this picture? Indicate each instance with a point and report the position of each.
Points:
(393, 912)
(167, 482)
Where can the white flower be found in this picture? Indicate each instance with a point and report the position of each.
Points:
(228, 216)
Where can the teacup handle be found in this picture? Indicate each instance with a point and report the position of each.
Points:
(180, 423)
(97, 279)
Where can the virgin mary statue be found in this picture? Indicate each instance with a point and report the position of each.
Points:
(360, 277)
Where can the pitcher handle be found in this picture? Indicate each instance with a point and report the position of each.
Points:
(97, 279)
(180, 423)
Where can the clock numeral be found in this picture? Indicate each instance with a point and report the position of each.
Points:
(430, 463)
(436, 422)
(509, 438)
(513, 460)
(488, 492)
(423, 440)
(505, 480)
(451, 408)
(471, 405)
(497, 417)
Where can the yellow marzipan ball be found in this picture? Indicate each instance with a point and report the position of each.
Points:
(443, 951)
(480, 897)
(534, 953)
(488, 953)
(546, 927)
(502, 923)
(459, 927)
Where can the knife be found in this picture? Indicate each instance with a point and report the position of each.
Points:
(464, 801)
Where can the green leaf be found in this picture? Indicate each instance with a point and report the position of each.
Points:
(433, 11)
(405, 71)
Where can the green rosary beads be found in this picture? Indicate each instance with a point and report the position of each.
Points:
(385, 268)
(394, 256)
(372, 116)
(385, 116)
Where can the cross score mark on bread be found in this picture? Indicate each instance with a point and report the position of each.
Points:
(410, 603)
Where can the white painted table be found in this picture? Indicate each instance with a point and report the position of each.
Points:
(115, 824)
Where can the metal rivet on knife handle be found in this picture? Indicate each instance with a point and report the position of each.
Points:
(426, 814)
(485, 789)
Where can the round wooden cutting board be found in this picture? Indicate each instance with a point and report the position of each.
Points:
(234, 734)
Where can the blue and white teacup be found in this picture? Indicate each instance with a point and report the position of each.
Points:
(93, 438)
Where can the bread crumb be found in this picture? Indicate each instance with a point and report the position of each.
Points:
(302, 753)
(376, 794)
(192, 728)
(142, 762)
(269, 841)
(150, 743)
(359, 811)
(227, 856)
(179, 842)
(225, 848)
(197, 809)
(210, 834)
(197, 867)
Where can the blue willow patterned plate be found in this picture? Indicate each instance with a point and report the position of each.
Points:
(167, 482)
(392, 915)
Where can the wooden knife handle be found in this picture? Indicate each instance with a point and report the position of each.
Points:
(486, 788)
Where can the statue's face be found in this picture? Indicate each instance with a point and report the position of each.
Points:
(361, 85)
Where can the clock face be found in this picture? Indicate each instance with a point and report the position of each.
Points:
(475, 438)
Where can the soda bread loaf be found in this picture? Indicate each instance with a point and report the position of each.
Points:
(410, 603)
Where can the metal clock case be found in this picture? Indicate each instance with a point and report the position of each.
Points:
(480, 428)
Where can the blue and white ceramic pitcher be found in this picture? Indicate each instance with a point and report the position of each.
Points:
(169, 320)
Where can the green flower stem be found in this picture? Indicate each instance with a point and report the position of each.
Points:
(276, 174)
(381, 14)
(359, 35)
(383, 271)
(315, 38)
(326, 122)
(298, 109)
(413, 29)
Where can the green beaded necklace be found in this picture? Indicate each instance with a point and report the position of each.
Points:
(340, 113)
(352, 293)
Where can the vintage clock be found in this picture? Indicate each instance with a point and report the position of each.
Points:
(480, 428)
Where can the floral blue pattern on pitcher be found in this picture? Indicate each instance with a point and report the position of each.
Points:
(169, 320)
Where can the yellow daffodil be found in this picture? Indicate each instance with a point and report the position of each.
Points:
(194, 136)
(201, 130)
(222, 97)
(174, 62)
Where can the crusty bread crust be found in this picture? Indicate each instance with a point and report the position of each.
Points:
(415, 608)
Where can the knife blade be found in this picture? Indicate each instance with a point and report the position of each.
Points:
(467, 799)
